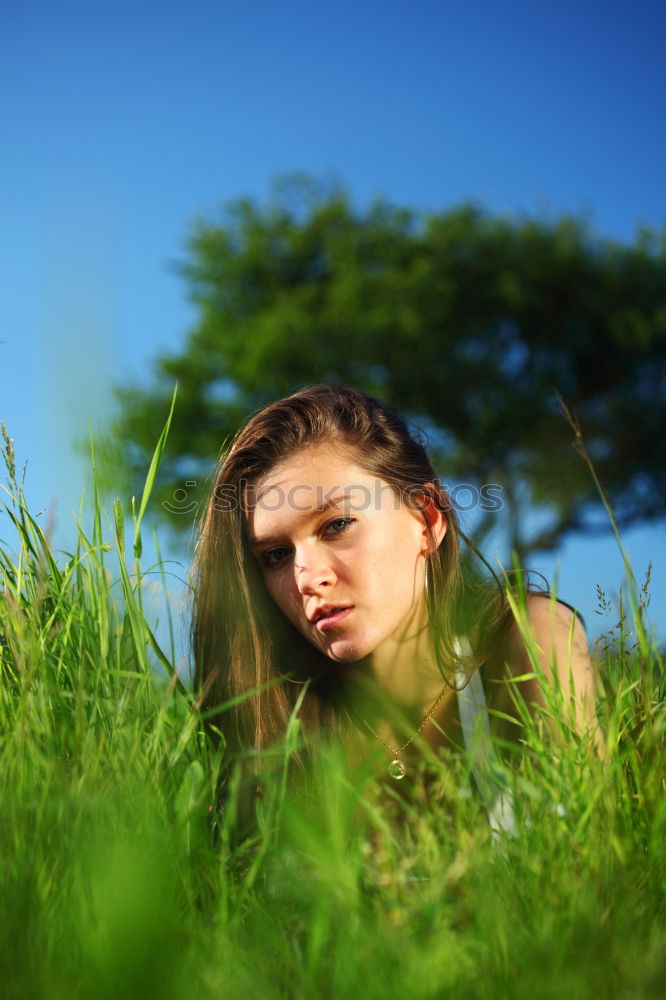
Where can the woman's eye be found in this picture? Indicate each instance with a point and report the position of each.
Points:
(339, 525)
(274, 557)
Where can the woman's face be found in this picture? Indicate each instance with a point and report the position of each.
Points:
(340, 554)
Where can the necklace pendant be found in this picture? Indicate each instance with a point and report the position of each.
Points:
(397, 769)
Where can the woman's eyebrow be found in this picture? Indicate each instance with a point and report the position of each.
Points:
(258, 540)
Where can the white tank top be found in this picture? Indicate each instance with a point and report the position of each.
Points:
(484, 761)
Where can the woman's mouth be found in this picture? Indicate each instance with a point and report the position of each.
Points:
(333, 618)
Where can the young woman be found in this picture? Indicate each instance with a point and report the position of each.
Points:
(329, 573)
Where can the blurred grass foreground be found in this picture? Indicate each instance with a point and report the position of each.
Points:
(114, 882)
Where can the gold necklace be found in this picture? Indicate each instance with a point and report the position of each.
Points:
(397, 768)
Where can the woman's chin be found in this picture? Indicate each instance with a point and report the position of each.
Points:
(344, 651)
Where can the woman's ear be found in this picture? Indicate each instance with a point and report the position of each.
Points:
(435, 525)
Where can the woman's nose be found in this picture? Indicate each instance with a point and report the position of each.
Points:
(313, 572)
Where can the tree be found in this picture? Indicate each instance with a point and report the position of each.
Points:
(464, 321)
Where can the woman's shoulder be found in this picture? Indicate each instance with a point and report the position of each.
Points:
(544, 645)
(547, 627)
(538, 601)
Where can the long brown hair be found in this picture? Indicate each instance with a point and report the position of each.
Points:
(244, 648)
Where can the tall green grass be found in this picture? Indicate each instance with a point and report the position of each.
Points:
(117, 880)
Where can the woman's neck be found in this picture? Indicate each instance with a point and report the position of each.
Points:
(403, 673)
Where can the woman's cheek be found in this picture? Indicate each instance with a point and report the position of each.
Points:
(279, 592)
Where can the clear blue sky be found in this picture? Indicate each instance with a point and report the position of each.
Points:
(122, 123)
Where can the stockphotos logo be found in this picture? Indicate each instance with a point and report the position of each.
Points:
(463, 497)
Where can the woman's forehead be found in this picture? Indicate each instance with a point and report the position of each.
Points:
(315, 463)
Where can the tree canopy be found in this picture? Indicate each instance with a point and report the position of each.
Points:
(466, 322)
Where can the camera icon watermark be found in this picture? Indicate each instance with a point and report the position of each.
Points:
(181, 501)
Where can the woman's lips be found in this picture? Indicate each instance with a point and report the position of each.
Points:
(331, 621)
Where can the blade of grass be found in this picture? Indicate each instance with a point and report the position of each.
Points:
(152, 475)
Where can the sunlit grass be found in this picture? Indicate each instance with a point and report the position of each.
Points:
(117, 879)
